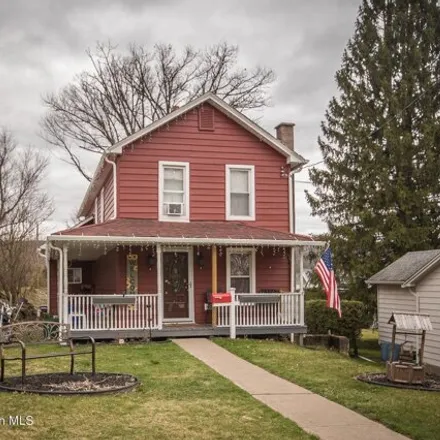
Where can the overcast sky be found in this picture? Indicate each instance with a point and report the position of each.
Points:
(43, 43)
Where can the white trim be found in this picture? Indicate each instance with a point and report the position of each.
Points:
(185, 241)
(251, 169)
(301, 286)
(291, 205)
(186, 187)
(96, 210)
(253, 271)
(292, 269)
(159, 272)
(83, 222)
(101, 204)
(190, 317)
(115, 186)
(66, 285)
(48, 255)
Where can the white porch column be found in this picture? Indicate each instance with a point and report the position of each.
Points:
(159, 270)
(232, 309)
(292, 289)
(60, 284)
(65, 318)
(301, 284)
(292, 269)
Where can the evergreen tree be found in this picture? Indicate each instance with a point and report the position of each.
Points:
(380, 190)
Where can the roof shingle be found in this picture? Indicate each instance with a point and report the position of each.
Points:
(403, 269)
(204, 230)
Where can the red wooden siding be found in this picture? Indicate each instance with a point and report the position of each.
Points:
(108, 198)
(207, 152)
(273, 271)
(147, 279)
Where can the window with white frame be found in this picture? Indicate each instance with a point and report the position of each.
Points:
(241, 270)
(240, 192)
(74, 275)
(174, 191)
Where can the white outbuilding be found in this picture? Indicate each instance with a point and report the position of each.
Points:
(411, 285)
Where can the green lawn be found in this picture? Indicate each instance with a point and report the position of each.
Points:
(369, 345)
(180, 398)
(413, 413)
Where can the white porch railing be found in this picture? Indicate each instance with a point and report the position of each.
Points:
(84, 312)
(277, 310)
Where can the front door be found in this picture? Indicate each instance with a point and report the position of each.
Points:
(177, 285)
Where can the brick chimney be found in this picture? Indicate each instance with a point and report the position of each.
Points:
(285, 134)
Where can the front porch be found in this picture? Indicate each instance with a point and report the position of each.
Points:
(153, 287)
(137, 316)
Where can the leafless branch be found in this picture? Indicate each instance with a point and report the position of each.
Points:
(23, 206)
(124, 92)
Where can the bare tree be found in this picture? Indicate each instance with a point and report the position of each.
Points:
(23, 207)
(123, 93)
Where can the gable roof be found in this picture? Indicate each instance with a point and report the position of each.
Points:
(97, 181)
(408, 269)
(219, 104)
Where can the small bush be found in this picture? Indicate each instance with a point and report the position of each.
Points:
(320, 319)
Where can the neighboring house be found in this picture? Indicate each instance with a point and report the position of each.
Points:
(411, 284)
(199, 201)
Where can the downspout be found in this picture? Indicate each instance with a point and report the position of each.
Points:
(60, 278)
(46, 256)
(413, 291)
(115, 186)
(292, 225)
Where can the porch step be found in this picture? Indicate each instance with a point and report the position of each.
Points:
(185, 331)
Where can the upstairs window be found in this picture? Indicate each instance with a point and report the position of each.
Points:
(174, 191)
(240, 192)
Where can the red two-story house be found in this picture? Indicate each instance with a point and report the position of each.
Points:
(197, 203)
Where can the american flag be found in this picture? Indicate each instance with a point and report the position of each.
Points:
(324, 269)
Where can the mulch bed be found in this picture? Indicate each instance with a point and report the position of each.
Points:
(432, 382)
(69, 384)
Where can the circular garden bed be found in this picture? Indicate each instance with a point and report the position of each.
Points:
(432, 383)
(71, 384)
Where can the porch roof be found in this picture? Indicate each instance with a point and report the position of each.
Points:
(209, 232)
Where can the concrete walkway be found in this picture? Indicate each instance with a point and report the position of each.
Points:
(313, 413)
